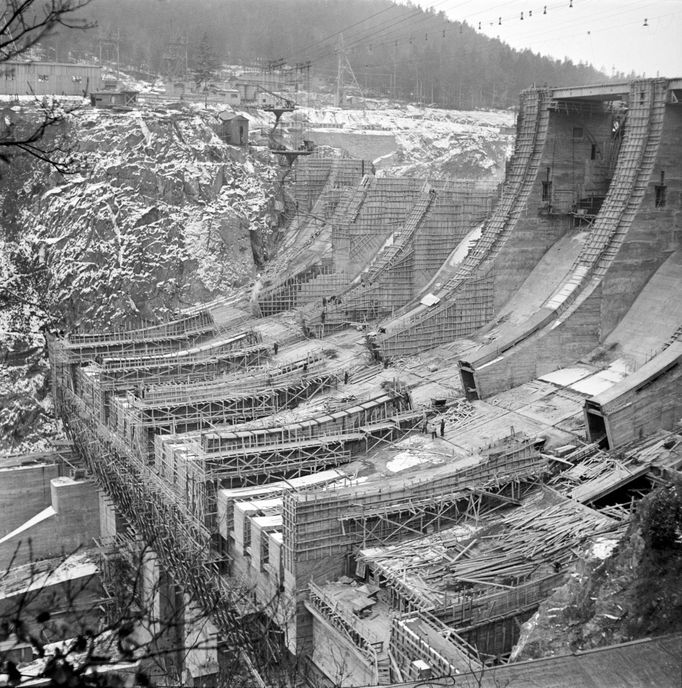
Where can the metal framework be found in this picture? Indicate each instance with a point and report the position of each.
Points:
(466, 292)
(182, 544)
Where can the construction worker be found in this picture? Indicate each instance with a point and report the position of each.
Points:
(275, 348)
(442, 427)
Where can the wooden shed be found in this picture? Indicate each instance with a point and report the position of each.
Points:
(234, 128)
(110, 99)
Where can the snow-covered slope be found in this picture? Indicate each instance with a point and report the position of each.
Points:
(428, 142)
(406, 140)
(160, 216)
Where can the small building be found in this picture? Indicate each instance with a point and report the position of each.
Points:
(49, 78)
(234, 128)
(232, 96)
(247, 92)
(111, 99)
(254, 95)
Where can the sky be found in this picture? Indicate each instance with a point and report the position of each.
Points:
(606, 33)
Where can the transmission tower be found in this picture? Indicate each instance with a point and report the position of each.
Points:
(110, 49)
(343, 68)
(175, 65)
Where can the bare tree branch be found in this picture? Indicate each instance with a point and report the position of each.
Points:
(31, 140)
(23, 23)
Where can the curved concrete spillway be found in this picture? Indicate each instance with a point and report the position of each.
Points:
(619, 254)
(653, 319)
(464, 301)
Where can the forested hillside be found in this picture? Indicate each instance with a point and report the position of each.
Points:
(394, 50)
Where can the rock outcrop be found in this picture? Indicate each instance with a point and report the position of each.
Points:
(624, 588)
(160, 216)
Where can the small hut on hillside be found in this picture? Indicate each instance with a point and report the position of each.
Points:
(234, 128)
(112, 99)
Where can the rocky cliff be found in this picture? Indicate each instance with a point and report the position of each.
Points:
(160, 214)
(624, 588)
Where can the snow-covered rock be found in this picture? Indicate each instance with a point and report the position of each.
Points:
(160, 216)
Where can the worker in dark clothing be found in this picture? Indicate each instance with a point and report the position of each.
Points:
(323, 316)
(442, 427)
(345, 378)
(275, 348)
(425, 425)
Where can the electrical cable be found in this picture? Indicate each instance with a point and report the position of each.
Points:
(372, 31)
(539, 31)
(340, 31)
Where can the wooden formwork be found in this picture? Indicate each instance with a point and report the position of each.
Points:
(350, 419)
(273, 490)
(208, 406)
(467, 288)
(404, 259)
(320, 604)
(474, 578)
(197, 465)
(154, 340)
(201, 366)
(311, 175)
(419, 636)
(626, 191)
(161, 519)
(305, 254)
(316, 525)
(286, 295)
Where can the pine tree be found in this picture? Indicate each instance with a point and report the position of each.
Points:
(205, 64)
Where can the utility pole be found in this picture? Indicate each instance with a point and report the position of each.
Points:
(340, 55)
(395, 66)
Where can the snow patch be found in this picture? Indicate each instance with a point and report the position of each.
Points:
(403, 461)
(602, 548)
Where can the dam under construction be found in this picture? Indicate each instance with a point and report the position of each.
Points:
(382, 458)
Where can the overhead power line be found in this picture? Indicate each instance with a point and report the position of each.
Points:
(336, 34)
